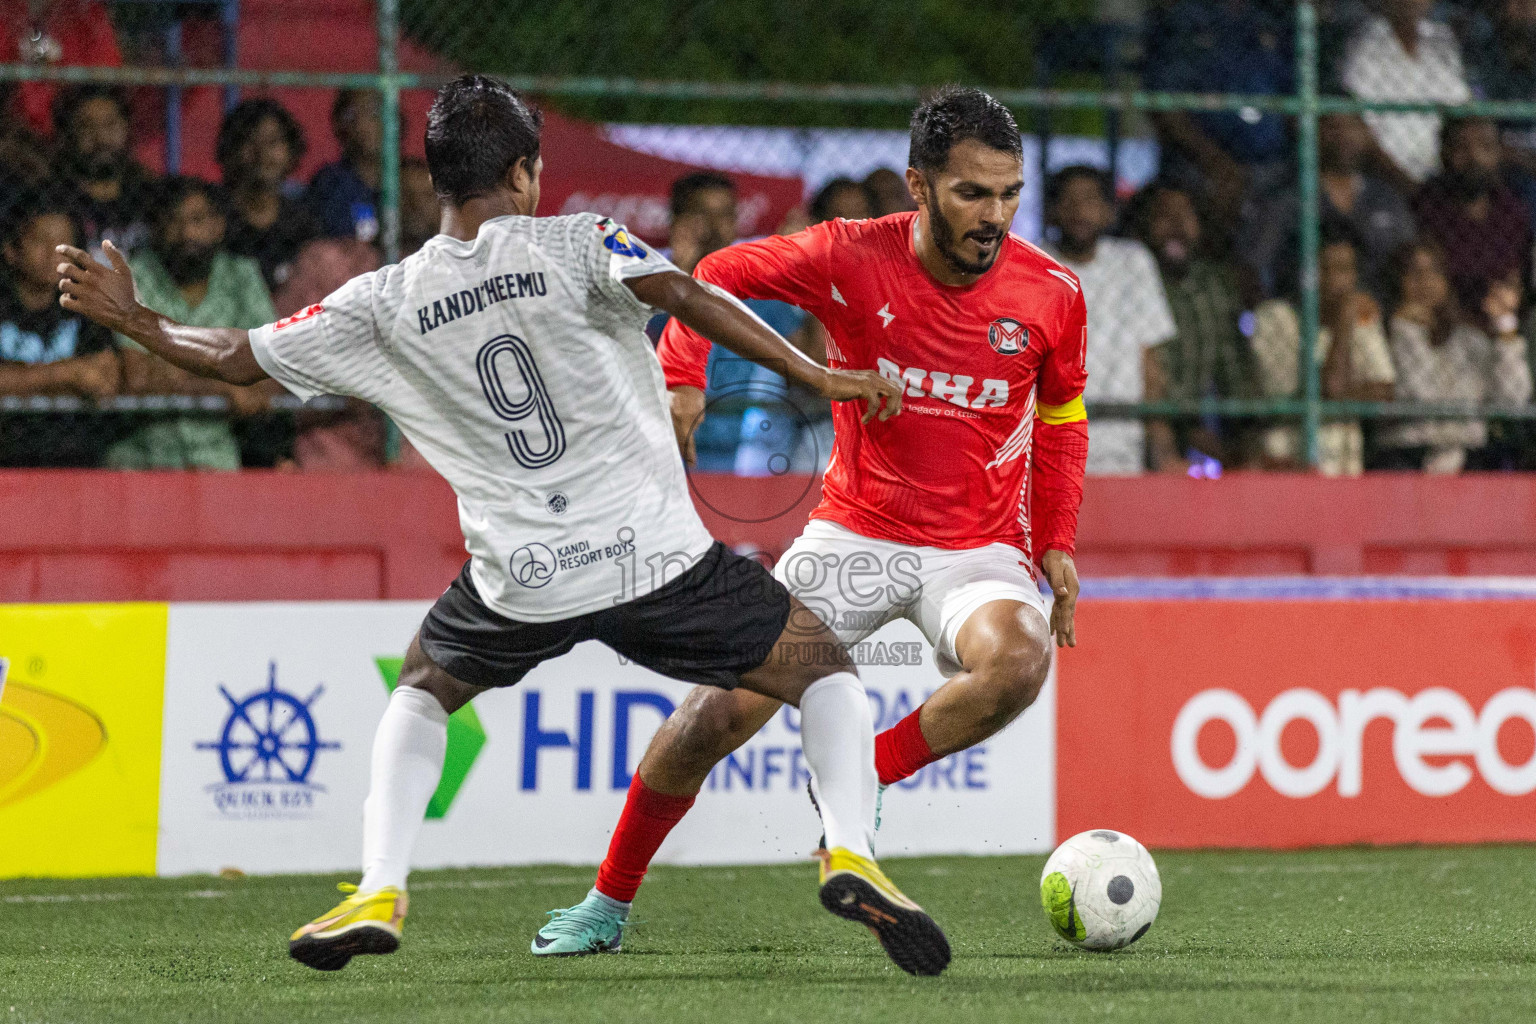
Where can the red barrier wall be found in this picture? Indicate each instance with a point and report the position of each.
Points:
(91, 535)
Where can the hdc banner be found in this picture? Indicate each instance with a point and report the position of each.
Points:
(1293, 723)
(270, 711)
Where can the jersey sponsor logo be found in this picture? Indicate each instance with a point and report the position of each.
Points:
(498, 288)
(301, 315)
(267, 751)
(1007, 336)
(952, 388)
(885, 315)
(621, 243)
(532, 566)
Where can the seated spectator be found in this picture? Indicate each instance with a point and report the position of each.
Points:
(1481, 226)
(1402, 55)
(351, 438)
(345, 195)
(45, 350)
(186, 273)
(1350, 197)
(1130, 314)
(888, 192)
(1443, 355)
(53, 32)
(842, 197)
(24, 156)
(114, 194)
(258, 148)
(1238, 46)
(1207, 357)
(420, 212)
(1359, 368)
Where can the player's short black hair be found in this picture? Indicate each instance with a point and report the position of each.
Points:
(821, 203)
(477, 131)
(70, 100)
(27, 205)
(952, 115)
(172, 191)
(1056, 184)
(690, 185)
(241, 122)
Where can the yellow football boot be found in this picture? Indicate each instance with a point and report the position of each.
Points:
(364, 922)
(855, 888)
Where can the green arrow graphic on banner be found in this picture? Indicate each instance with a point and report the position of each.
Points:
(465, 738)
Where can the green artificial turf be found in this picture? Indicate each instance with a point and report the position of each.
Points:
(1432, 934)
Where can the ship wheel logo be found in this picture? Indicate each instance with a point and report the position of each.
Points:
(269, 737)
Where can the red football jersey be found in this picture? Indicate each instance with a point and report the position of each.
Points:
(979, 363)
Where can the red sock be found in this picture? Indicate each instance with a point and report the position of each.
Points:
(901, 750)
(648, 817)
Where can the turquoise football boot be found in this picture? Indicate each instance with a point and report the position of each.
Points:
(595, 925)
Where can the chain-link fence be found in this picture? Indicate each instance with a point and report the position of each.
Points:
(1240, 187)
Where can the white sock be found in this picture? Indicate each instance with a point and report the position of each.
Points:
(408, 754)
(838, 736)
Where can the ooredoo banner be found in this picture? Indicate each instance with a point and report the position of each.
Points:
(270, 711)
(1300, 722)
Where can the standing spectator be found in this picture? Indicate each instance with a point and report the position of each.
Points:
(1443, 355)
(1208, 357)
(1130, 312)
(888, 192)
(45, 350)
(1401, 55)
(345, 194)
(1358, 368)
(115, 193)
(420, 213)
(51, 32)
(1238, 46)
(186, 273)
(259, 147)
(842, 197)
(1351, 198)
(1480, 225)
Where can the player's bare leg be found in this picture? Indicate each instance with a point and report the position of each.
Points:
(407, 765)
(811, 670)
(1005, 648)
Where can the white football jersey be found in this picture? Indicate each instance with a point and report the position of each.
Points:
(518, 366)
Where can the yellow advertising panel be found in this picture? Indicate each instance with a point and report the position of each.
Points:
(80, 714)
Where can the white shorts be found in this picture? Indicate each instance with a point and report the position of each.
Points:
(857, 584)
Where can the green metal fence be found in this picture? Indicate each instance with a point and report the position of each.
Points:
(1308, 407)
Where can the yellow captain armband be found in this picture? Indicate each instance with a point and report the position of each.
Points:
(1067, 412)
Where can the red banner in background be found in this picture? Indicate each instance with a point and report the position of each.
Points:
(1299, 723)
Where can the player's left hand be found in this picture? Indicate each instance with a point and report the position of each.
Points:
(103, 294)
(1061, 573)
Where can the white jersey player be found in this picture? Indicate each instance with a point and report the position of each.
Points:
(509, 351)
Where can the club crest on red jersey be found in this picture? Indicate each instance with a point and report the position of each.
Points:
(1007, 336)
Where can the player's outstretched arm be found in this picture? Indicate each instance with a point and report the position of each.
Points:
(105, 295)
(724, 320)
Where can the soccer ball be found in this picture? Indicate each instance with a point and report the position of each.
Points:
(1101, 890)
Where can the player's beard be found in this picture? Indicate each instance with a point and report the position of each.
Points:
(944, 237)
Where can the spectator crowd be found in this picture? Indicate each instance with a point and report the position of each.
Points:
(1425, 265)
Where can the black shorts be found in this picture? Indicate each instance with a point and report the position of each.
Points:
(717, 620)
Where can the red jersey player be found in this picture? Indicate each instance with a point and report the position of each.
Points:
(936, 515)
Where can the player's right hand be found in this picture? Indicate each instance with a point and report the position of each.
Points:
(687, 414)
(880, 396)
